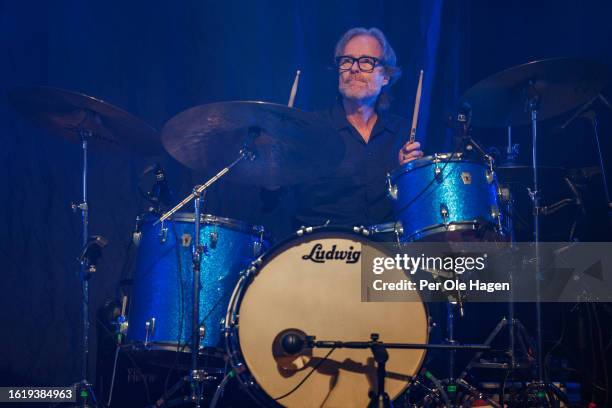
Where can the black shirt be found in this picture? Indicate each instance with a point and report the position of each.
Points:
(356, 193)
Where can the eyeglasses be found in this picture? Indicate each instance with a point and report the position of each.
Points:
(365, 63)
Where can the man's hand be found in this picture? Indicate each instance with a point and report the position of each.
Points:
(409, 152)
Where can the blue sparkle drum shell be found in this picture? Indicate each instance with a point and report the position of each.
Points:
(160, 315)
(447, 197)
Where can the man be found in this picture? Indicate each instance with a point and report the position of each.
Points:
(376, 141)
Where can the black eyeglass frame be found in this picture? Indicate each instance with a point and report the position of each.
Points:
(377, 62)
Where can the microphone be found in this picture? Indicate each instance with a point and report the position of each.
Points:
(464, 116)
(160, 193)
(291, 341)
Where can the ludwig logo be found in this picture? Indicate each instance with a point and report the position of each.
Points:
(319, 255)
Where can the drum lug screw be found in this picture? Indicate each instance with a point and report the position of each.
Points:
(149, 330)
(438, 174)
(444, 213)
(214, 238)
(163, 235)
(257, 246)
(391, 188)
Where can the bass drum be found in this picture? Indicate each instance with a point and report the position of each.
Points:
(312, 283)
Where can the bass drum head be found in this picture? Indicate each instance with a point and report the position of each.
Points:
(322, 298)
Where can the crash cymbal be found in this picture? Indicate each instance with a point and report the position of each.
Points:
(561, 84)
(63, 112)
(290, 145)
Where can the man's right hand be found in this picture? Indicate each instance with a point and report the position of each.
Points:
(409, 152)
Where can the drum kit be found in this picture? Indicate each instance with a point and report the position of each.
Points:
(216, 288)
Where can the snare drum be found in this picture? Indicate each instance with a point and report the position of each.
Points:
(444, 198)
(312, 283)
(161, 309)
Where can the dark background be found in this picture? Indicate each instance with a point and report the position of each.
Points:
(155, 59)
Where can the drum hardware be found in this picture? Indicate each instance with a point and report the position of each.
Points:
(137, 233)
(437, 173)
(303, 230)
(91, 253)
(391, 188)
(214, 237)
(201, 334)
(592, 116)
(451, 384)
(197, 249)
(163, 234)
(511, 152)
(394, 228)
(469, 143)
(93, 123)
(295, 341)
(149, 330)
(197, 252)
(444, 214)
(513, 97)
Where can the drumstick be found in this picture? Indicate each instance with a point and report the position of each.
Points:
(294, 89)
(123, 305)
(417, 103)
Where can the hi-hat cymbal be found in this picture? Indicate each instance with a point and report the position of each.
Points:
(560, 83)
(64, 112)
(290, 145)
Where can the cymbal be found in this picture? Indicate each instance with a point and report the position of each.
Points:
(291, 145)
(561, 83)
(63, 112)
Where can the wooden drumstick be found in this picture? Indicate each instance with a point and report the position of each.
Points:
(294, 89)
(417, 103)
(123, 305)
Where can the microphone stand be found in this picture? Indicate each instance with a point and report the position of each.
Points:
(378, 398)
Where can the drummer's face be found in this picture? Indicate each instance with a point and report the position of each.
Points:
(362, 86)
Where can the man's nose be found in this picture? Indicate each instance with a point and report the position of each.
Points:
(355, 67)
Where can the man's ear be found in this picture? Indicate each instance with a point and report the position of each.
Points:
(386, 79)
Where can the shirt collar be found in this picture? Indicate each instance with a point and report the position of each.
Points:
(385, 120)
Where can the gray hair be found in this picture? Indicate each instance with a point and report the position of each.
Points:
(388, 59)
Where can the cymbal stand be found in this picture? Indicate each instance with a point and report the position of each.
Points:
(532, 104)
(197, 376)
(595, 124)
(86, 268)
(587, 111)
